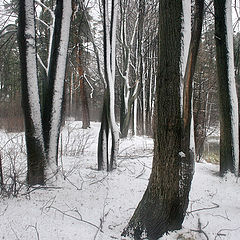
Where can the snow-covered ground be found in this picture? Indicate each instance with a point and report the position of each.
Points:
(85, 204)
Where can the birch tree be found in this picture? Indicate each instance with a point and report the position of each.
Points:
(42, 123)
(164, 203)
(229, 143)
(108, 114)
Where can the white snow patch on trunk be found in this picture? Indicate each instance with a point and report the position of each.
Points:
(32, 81)
(186, 38)
(232, 84)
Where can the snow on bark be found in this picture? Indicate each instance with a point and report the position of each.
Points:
(232, 84)
(186, 38)
(51, 29)
(59, 85)
(110, 72)
(32, 80)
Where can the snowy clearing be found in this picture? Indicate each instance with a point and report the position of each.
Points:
(87, 204)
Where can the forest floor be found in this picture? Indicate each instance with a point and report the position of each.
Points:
(86, 204)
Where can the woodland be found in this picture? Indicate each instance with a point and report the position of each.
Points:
(119, 119)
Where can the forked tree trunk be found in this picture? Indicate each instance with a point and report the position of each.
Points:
(229, 149)
(109, 29)
(42, 135)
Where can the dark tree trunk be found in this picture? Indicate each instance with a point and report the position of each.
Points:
(227, 159)
(159, 210)
(187, 166)
(49, 86)
(108, 115)
(164, 204)
(35, 150)
(83, 93)
(103, 161)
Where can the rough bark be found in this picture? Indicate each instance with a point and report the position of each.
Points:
(159, 210)
(227, 156)
(164, 204)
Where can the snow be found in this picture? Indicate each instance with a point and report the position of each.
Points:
(88, 204)
(32, 70)
(186, 38)
(232, 84)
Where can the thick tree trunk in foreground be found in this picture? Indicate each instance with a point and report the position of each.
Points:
(30, 95)
(164, 204)
(229, 153)
(159, 210)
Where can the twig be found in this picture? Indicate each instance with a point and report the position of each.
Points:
(102, 219)
(207, 208)
(200, 229)
(74, 184)
(101, 180)
(224, 229)
(52, 200)
(35, 227)
(142, 172)
(78, 219)
(225, 217)
(4, 211)
(39, 187)
(14, 232)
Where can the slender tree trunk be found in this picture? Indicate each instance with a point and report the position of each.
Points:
(109, 28)
(188, 143)
(52, 112)
(30, 94)
(83, 94)
(229, 152)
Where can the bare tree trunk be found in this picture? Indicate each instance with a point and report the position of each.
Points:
(109, 28)
(164, 203)
(83, 93)
(229, 150)
(30, 94)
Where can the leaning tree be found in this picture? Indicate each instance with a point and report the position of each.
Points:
(164, 203)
